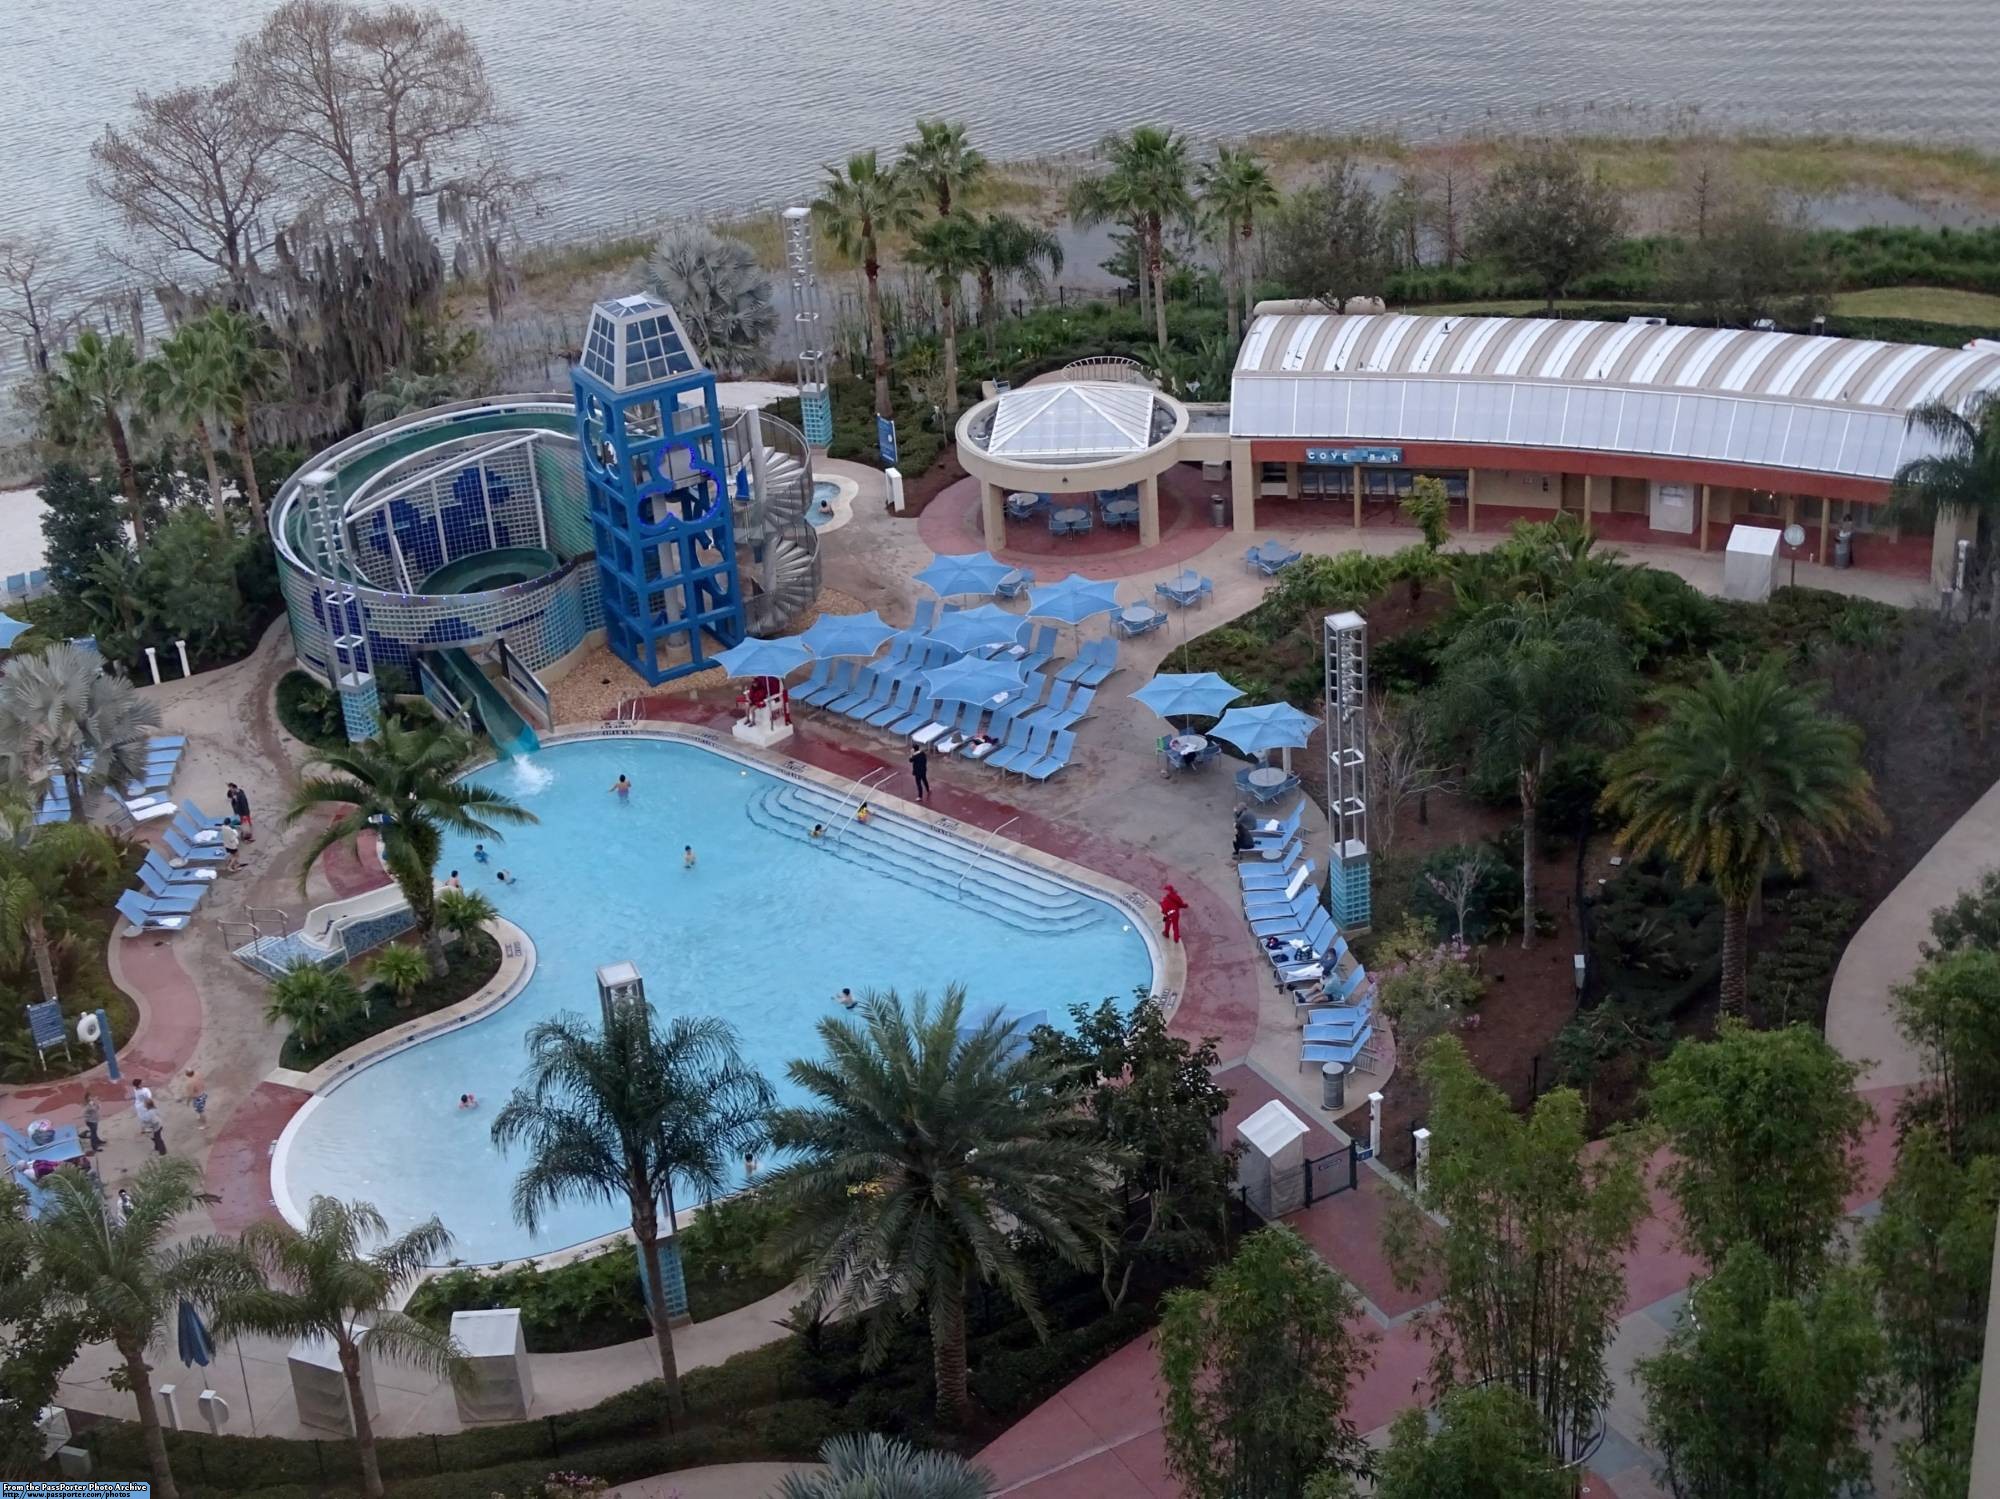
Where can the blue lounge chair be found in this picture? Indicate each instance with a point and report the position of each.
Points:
(836, 685)
(1317, 933)
(865, 682)
(1267, 898)
(926, 615)
(1041, 650)
(1291, 917)
(1077, 711)
(958, 733)
(198, 818)
(822, 668)
(64, 1146)
(1261, 879)
(1343, 1053)
(1103, 662)
(898, 706)
(1058, 698)
(171, 876)
(38, 580)
(1033, 744)
(160, 893)
(928, 711)
(153, 780)
(1338, 1022)
(147, 918)
(1307, 981)
(194, 853)
(167, 741)
(887, 686)
(1060, 745)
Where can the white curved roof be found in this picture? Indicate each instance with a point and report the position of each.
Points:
(1777, 400)
(1072, 421)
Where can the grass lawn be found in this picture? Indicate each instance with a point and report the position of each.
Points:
(1929, 304)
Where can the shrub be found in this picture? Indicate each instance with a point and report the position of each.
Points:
(1494, 897)
(310, 710)
(468, 965)
(1655, 942)
(1790, 980)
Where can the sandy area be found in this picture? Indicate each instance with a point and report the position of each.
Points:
(20, 530)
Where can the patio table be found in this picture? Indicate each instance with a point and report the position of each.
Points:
(1269, 777)
(1138, 614)
(1071, 517)
(1021, 504)
(1116, 512)
(1186, 745)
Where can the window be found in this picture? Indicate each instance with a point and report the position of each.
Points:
(1763, 502)
(1326, 483)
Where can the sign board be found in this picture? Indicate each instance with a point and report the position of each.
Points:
(1345, 457)
(885, 439)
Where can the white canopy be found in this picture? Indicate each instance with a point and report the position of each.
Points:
(1074, 422)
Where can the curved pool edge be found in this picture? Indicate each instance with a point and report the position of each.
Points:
(506, 985)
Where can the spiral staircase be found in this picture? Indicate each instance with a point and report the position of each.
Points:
(777, 547)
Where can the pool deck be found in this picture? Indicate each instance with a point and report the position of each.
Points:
(1110, 811)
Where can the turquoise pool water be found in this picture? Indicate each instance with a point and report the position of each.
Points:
(764, 930)
(825, 491)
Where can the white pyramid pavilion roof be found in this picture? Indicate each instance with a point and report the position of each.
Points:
(1072, 421)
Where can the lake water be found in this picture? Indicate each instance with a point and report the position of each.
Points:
(641, 110)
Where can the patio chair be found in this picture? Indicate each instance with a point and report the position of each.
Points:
(962, 726)
(1264, 899)
(922, 717)
(1286, 828)
(167, 741)
(1292, 918)
(898, 706)
(17, 585)
(1262, 878)
(1020, 505)
(865, 682)
(1041, 649)
(1081, 525)
(1309, 944)
(1077, 711)
(1015, 583)
(1130, 628)
(63, 1145)
(888, 683)
(1006, 715)
(1347, 1018)
(837, 684)
(1103, 662)
(38, 581)
(927, 612)
(194, 853)
(163, 896)
(161, 870)
(1060, 745)
(143, 917)
(1058, 699)
(1343, 1053)
(1057, 526)
(1032, 747)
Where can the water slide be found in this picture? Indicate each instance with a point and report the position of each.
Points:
(510, 733)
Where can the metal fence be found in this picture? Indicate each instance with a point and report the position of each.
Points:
(1300, 1187)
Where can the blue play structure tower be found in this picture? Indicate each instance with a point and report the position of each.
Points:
(650, 435)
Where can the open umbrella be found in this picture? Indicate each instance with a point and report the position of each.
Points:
(764, 658)
(11, 630)
(197, 1347)
(1073, 600)
(1174, 694)
(972, 572)
(847, 634)
(972, 680)
(969, 629)
(1266, 727)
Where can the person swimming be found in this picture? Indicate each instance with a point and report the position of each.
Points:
(468, 1101)
(687, 856)
(863, 812)
(505, 877)
(621, 787)
(845, 999)
(819, 830)
(479, 854)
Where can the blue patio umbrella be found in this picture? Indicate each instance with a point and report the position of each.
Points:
(971, 680)
(1175, 694)
(847, 634)
(197, 1347)
(969, 629)
(1268, 726)
(972, 572)
(764, 658)
(11, 630)
(1073, 600)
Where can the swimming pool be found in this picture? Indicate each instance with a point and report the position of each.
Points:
(762, 932)
(825, 494)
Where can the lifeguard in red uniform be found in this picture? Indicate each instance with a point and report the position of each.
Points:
(1171, 906)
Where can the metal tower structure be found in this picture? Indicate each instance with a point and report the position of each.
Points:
(1346, 638)
(815, 406)
(337, 602)
(649, 432)
(619, 986)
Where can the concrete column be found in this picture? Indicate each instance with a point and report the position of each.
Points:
(1360, 483)
(1375, 1125)
(1472, 499)
(992, 515)
(1704, 517)
(1292, 488)
(1586, 502)
(1791, 508)
(1945, 537)
(1422, 1137)
(1825, 516)
(1149, 511)
(1243, 485)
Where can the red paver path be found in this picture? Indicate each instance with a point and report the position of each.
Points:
(239, 1158)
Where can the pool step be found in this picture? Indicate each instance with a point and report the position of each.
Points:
(910, 852)
(274, 956)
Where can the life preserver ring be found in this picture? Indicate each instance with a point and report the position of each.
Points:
(88, 1029)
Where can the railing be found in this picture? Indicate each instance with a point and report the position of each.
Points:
(979, 855)
(259, 922)
(515, 670)
(860, 784)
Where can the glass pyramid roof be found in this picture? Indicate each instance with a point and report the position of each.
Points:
(1072, 422)
(637, 341)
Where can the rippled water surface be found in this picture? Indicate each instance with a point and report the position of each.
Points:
(608, 104)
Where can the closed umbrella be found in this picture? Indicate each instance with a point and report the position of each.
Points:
(1175, 694)
(1266, 727)
(969, 629)
(197, 1347)
(11, 630)
(764, 658)
(972, 680)
(970, 572)
(847, 634)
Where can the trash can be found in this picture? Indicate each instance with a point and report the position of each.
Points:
(1843, 547)
(1217, 516)
(1333, 1086)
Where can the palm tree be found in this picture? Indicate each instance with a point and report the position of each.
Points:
(721, 293)
(1522, 682)
(401, 970)
(402, 391)
(461, 912)
(855, 208)
(942, 162)
(1147, 187)
(100, 385)
(619, 1114)
(1741, 774)
(1235, 188)
(122, 1278)
(250, 371)
(1962, 481)
(922, 1156)
(310, 1001)
(1010, 248)
(947, 250)
(401, 786)
(886, 1466)
(65, 719)
(328, 1282)
(188, 383)
(38, 868)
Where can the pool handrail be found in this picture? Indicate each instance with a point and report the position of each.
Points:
(979, 854)
(861, 783)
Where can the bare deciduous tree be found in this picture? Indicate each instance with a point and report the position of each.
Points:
(39, 303)
(191, 172)
(1404, 764)
(1450, 192)
(1458, 886)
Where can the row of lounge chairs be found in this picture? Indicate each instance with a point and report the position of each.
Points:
(163, 759)
(171, 890)
(1331, 992)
